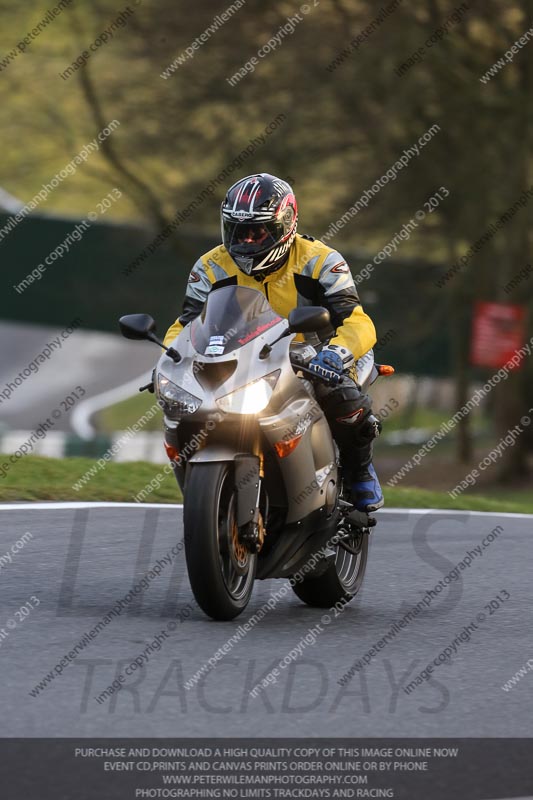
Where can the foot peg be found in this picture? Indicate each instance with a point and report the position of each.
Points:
(361, 519)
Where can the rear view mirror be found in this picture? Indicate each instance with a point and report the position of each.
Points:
(137, 326)
(308, 319)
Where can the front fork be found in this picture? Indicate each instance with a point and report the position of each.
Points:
(249, 474)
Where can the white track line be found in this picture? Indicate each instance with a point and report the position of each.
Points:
(55, 506)
(504, 514)
(85, 504)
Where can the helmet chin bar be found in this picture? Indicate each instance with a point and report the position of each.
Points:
(271, 262)
(244, 264)
(247, 265)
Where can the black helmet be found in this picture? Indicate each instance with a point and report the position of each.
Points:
(259, 216)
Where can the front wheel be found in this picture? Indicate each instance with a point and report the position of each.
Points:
(221, 570)
(342, 579)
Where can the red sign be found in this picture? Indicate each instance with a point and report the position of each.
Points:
(498, 332)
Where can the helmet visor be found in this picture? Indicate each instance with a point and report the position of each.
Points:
(249, 238)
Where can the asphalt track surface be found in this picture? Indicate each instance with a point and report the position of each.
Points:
(81, 560)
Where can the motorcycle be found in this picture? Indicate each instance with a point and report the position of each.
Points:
(253, 453)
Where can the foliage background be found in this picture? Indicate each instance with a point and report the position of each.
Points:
(344, 127)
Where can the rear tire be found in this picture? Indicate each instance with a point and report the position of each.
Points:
(221, 571)
(341, 581)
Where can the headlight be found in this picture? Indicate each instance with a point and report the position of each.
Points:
(252, 398)
(175, 399)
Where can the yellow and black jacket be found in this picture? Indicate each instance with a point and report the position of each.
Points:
(313, 274)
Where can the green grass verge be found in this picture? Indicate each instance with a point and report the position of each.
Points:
(120, 416)
(503, 500)
(37, 478)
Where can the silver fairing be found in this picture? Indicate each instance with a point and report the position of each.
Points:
(292, 411)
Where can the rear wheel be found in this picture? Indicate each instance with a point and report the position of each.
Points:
(342, 579)
(221, 570)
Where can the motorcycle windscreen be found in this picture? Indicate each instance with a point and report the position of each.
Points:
(231, 317)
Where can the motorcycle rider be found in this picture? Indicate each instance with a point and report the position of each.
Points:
(262, 250)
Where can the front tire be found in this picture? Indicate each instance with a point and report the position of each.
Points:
(343, 578)
(221, 570)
